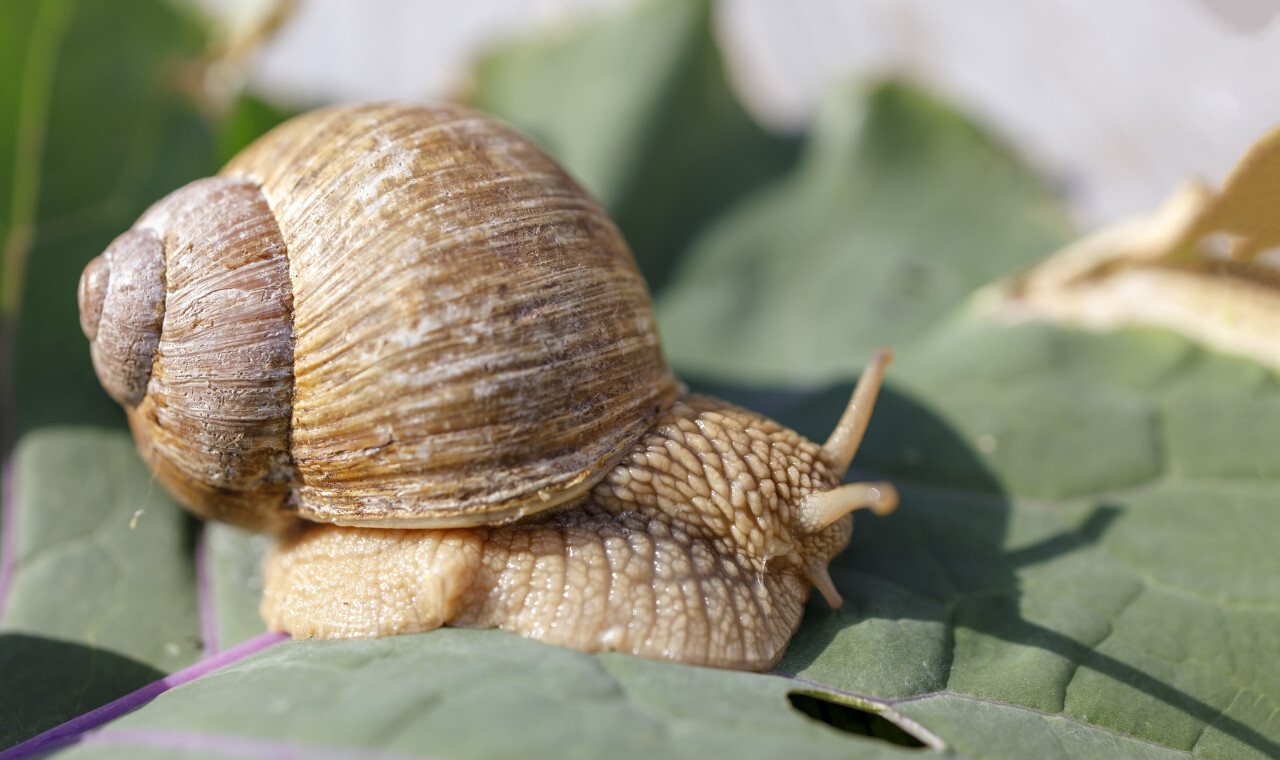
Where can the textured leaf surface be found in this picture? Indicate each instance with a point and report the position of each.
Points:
(1083, 564)
(1144, 606)
(97, 551)
(482, 694)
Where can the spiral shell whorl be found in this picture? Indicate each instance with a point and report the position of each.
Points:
(214, 423)
(122, 305)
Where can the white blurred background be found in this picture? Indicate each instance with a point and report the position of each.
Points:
(1114, 101)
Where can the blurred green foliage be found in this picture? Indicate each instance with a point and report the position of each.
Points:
(1082, 565)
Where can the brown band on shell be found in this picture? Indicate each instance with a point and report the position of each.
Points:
(121, 308)
(474, 341)
(214, 424)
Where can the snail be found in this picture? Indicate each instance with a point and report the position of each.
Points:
(403, 340)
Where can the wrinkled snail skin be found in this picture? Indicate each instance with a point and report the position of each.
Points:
(694, 548)
(403, 340)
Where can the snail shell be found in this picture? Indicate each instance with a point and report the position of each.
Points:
(408, 329)
(390, 315)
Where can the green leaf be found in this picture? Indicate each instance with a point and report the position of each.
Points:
(898, 210)
(1083, 564)
(48, 681)
(102, 598)
(27, 42)
(638, 108)
(476, 694)
(233, 559)
(1106, 607)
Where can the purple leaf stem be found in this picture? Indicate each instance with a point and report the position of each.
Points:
(71, 731)
(204, 594)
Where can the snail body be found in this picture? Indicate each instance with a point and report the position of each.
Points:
(699, 546)
(402, 339)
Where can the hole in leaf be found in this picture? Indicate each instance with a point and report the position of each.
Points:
(852, 720)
